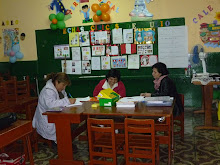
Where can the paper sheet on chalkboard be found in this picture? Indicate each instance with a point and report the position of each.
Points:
(173, 46)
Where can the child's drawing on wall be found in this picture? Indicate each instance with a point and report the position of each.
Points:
(59, 7)
(10, 38)
(85, 10)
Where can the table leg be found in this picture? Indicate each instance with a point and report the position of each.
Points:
(208, 96)
(170, 140)
(172, 136)
(203, 101)
(30, 154)
(64, 144)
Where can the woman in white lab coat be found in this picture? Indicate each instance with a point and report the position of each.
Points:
(52, 95)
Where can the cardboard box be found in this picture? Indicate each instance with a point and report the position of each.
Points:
(108, 97)
(12, 159)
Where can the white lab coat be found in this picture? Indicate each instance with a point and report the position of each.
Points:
(49, 98)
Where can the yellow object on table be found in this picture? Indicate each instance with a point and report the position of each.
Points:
(95, 105)
(108, 97)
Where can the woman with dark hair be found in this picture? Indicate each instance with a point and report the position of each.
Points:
(52, 95)
(112, 81)
(164, 86)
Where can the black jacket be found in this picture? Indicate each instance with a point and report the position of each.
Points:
(168, 88)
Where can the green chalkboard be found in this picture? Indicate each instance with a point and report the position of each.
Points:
(46, 39)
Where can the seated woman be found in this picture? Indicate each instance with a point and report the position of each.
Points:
(112, 81)
(52, 95)
(164, 86)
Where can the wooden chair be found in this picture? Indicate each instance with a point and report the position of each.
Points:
(179, 120)
(23, 88)
(11, 90)
(1, 80)
(104, 144)
(35, 137)
(3, 100)
(140, 141)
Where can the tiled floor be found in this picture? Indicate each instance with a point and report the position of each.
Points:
(200, 147)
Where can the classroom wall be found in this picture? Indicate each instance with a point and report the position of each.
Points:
(33, 15)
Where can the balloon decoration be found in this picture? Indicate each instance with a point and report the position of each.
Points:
(100, 12)
(14, 53)
(57, 21)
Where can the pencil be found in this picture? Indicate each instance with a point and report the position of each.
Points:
(70, 95)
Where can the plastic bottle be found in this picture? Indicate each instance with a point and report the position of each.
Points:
(186, 72)
(189, 71)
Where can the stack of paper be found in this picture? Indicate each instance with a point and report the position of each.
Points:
(125, 104)
(132, 99)
(129, 101)
(159, 101)
(159, 98)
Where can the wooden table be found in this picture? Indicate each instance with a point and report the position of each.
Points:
(18, 130)
(77, 114)
(62, 121)
(207, 97)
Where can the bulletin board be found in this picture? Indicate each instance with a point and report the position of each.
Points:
(46, 39)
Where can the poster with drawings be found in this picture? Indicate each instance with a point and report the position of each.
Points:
(119, 62)
(144, 35)
(145, 49)
(105, 63)
(72, 67)
(10, 38)
(61, 51)
(96, 63)
(98, 50)
(76, 55)
(74, 39)
(84, 38)
(100, 37)
(117, 36)
(112, 50)
(133, 61)
(86, 67)
(128, 36)
(148, 60)
(86, 53)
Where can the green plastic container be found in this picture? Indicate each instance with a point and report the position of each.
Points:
(108, 102)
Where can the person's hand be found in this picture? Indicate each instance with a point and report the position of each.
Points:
(72, 100)
(146, 94)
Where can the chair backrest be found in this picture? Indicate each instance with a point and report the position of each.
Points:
(23, 88)
(3, 100)
(102, 145)
(11, 89)
(31, 110)
(1, 80)
(139, 139)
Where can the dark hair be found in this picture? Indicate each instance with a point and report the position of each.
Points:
(22, 34)
(85, 6)
(114, 73)
(60, 77)
(161, 68)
